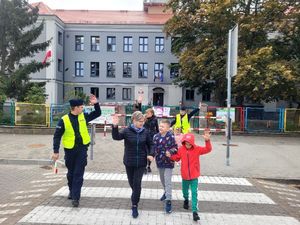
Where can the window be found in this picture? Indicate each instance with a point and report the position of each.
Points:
(111, 69)
(95, 91)
(95, 43)
(189, 95)
(78, 90)
(94, 69)
(127, 44)
(60, 38)
(79, 43)
(126, 94)
(143, 44)
(143, 70)
(111, 44)
(174, 70)
(59, 65)
(127, 69)
(111, 93)
(159, 44)
(79, 69)
(206, 96)
(159, 71)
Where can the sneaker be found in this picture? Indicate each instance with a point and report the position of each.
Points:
(149, 169)
(163, 197)
(135, 212)
(168, 206)
(186, 204)
(75, 203)
(195, 216)
(69, 196)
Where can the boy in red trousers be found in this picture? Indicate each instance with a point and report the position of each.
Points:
(189, 154)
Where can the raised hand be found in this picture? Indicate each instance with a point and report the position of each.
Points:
(93, 99)
(115, 119)
(150, 158)
(206, 135)
(168, 154)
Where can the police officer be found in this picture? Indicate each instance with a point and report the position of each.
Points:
(72, 128)
(182, 120)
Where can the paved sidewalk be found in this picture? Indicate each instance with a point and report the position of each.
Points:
(263, 157)
(31, 195)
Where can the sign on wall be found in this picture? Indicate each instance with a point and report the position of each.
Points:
(106, 112)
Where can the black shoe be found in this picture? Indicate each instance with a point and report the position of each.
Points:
(69, 196)
(168, 206)
(195, 216)
(149, 169)
(75, 203)
(135, 212)
(186, 204)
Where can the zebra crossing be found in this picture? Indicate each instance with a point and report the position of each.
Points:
(105, 199)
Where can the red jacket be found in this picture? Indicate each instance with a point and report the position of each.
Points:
(190, 160)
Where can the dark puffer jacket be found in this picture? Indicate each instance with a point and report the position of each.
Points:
(137, 145)
(151, 125)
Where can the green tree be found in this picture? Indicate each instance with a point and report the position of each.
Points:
(36, 93)
(19, 30)
(72, 94)
(200, 30)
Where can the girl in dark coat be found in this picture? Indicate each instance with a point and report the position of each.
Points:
(151, 125)
(138, 149)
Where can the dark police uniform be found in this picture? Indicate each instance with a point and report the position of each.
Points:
(75, 157)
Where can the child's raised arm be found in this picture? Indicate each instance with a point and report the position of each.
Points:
(207, 148)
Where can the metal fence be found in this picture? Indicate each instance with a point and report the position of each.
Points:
(292, 120)
(27, 114)
(257, 119)
(248, 119)
(7, 115)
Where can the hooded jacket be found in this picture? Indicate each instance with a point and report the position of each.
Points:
(138, 145)
(190, 161)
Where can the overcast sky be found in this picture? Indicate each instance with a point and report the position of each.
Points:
(93, 4)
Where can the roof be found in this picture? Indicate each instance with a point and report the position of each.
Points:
(104, 17)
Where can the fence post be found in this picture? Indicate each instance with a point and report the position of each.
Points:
(12, 113)
(246, 119)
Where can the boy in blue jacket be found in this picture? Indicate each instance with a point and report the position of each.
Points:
(165, 141)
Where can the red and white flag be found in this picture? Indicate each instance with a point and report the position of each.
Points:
(47, 56)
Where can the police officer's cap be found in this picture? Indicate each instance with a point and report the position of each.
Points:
(76, 102)
(183, 108)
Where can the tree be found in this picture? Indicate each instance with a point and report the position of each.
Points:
(72, 94)
(19, 30)
(199, 29)
(36, 93)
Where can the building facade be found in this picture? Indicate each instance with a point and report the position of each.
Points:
(113, 54)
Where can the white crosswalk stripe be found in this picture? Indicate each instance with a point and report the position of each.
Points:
(175, 178)
(109, 192)
(28, 196)
(86, 216)
(98, 189)
(30, 191)
(2, 220)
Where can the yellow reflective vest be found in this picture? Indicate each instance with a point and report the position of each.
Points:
(183, 123)
(69, 134)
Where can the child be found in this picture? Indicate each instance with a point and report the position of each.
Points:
(189, 154)
(164, 142)
(151, 125)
